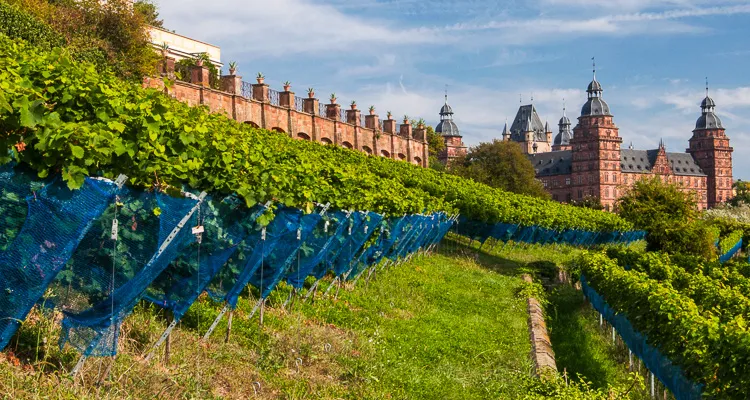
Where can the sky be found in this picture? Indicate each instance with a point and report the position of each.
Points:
(652, 58)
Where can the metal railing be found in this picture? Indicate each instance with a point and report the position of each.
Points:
(362, 120)
(299, 104)
(342, 115)
(273, 97)
(322, 110)
(247, 90)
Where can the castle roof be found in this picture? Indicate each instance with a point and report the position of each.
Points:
(447, 127)
(642, 161)
(527, 120)
(552, 163)
(708, 118)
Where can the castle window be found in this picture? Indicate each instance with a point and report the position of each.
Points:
(606, 177)
(606, 192)
(567, 181)
(580, 194)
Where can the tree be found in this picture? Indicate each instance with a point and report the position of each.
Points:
(111, 34)
(670, 216)
(591, 202)
(742, 195)
(502, 165)
(149, 12)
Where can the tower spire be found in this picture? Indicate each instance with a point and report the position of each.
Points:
(446, 93)
(593, 64)
(706, 86)
(564, 107)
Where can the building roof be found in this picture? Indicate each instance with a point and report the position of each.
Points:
(642, 162)
(708, 118)
(595, 106)
(447, 127)
(446, 109)
(527, 120)
(552, 163)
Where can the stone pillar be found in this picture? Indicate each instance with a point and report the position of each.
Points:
(199, 75)
(311, 105)
(389, 125)
(372, 121)
(333, 111)
(352, 117)
(420, 133)
(405, 130)
(286, 99)
(231, 84)
(166, 66)
(260, 92)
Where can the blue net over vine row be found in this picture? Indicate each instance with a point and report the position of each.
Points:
(669, 374)
(43, 222)
(94, 253)
(535, 234)
(729, 254)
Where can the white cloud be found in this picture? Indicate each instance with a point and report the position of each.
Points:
(285, 27)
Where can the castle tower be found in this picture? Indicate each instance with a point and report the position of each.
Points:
(709, 146)
(596, 150)
(562, 140)
(527, 129)
(506, 132)
(454, 145)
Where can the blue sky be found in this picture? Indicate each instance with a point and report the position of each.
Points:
(652, 58)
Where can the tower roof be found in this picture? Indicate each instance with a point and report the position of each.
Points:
(527, 120)
(708, 118)
(595, 104)
(446, 126)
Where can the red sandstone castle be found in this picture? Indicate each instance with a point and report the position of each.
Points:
(589, 160)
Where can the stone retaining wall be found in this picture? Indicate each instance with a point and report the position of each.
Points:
(541, 346)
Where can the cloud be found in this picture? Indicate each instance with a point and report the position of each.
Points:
(286, 27)
(525, 31)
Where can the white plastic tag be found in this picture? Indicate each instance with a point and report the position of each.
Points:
(366, 228)
(350, 229)
(197, 229)
(325, 229)
(299, 233)
(263, 234)
(115, 226)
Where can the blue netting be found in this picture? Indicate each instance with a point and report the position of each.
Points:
(409, 229)
(105, 278)
(297, 228)
(354, 243)
(669, 374)
(334, 247)
(316, 248)
(55, 222)
(729, 254)
(533, 234)
(226, 223)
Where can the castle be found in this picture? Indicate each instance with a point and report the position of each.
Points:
(589, 161)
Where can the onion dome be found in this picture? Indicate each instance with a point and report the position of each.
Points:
(446, 126)
(708, 118)
(595, 105)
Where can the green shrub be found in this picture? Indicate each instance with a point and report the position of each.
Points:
(19, 24)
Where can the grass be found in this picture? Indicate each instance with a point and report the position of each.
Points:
(581, 346)
(445, 326)
(582, 349)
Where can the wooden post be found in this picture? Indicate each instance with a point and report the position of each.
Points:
(229, 327)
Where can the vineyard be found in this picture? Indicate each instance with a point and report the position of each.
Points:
(114, 197)
(693, 310)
